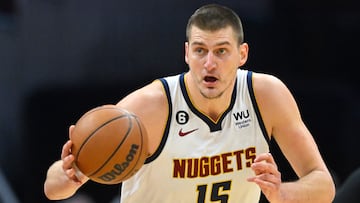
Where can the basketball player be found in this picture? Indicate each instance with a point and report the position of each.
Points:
(209, 130)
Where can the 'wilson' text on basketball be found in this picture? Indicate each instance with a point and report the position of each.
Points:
(119, 168)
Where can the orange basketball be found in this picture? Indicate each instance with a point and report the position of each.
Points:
(109, 144)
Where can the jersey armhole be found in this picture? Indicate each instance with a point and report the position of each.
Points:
(167, 127)
(256, 107)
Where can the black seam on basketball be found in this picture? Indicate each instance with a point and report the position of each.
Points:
(141, 148)
(118, 147)
(98, 128)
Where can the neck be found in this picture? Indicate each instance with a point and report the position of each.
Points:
(211, 107)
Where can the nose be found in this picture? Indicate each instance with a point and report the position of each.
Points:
(210, 62)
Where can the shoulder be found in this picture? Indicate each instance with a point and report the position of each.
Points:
(275, 101)
(151, 96)
(264, 82)
(270, 88)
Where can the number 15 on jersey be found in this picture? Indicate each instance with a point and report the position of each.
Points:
(218, 192)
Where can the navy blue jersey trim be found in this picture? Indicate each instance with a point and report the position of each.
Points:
(212, 125)
(256, 108)
(167, 128)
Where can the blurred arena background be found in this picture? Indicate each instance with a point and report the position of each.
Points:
(59, 58)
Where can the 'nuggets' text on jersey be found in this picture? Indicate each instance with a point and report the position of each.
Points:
(214, 165)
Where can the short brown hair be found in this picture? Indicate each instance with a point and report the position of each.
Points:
(213, 17)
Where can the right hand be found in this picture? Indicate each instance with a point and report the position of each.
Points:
(68, 162)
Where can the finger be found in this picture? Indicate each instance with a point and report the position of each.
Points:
(268, 178)
(265, 157)
(71, 129)
(66, 150)
(266, 182)
(71, 174)
(267, 185)
(68, 162)
(266, 175)
(264, 167)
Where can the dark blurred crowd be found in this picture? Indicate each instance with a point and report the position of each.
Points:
(59, 58)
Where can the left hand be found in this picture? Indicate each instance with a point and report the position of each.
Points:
(267, 176)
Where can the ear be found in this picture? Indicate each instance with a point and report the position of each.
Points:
(187, 52)
(244, 50)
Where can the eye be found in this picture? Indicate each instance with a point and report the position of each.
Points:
(221, 51)
(199, 50)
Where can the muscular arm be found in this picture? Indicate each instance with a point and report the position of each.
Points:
(283, 121)
(149, 103)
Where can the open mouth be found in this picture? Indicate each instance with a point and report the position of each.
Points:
(210, 79)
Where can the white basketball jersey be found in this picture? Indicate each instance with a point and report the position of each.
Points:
(200, 160)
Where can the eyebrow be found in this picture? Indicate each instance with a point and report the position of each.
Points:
(217, 44)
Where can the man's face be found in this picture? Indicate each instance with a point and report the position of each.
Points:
(213, 59)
